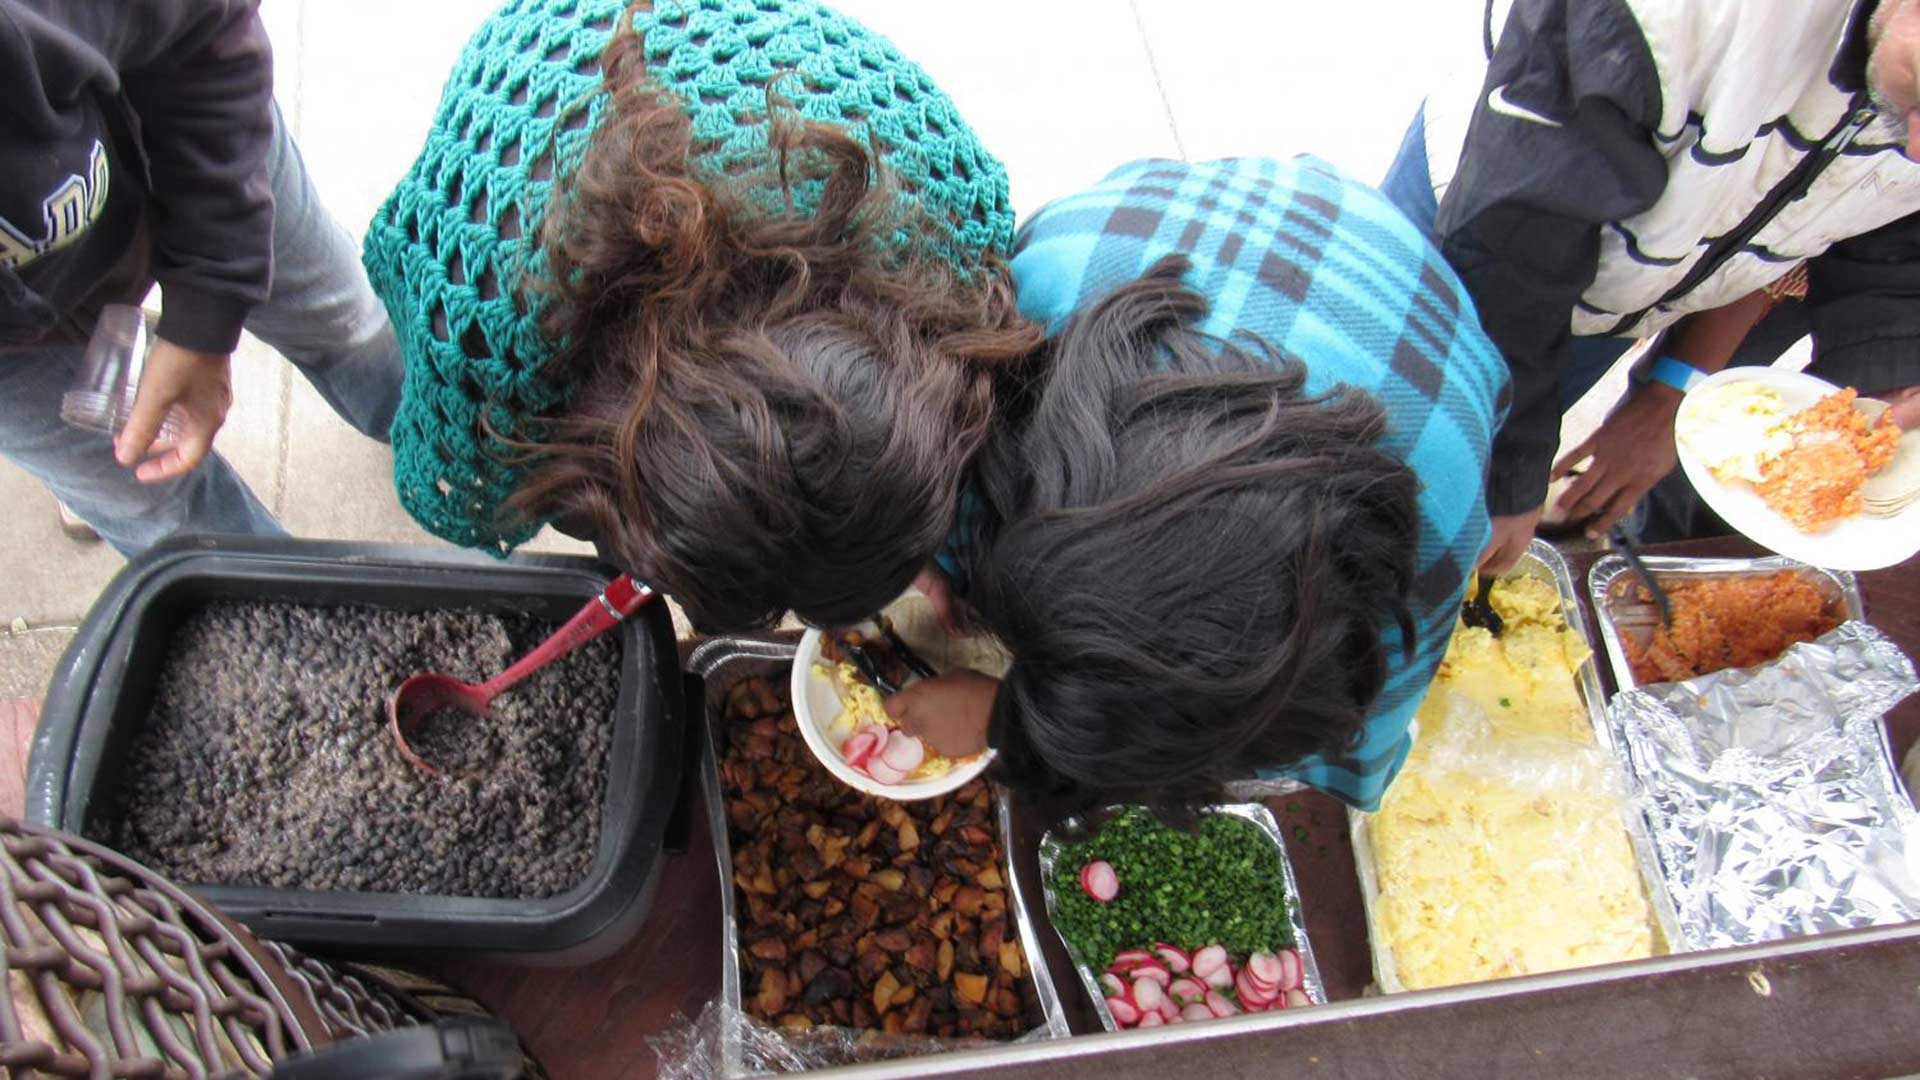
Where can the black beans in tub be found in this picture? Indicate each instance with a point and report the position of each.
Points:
(266, 761)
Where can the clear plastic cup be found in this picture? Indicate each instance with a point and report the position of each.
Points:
(102, 397)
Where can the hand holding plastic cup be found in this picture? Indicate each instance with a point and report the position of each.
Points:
(102, 397)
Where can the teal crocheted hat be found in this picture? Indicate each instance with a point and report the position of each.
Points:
(447, 249)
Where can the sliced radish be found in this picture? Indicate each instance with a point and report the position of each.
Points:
(1186, 990)
(1101, 883)
(1152, 1019)
(1265, 969)
(878, 768)
(1112, 985)
(1169, 1011)
(1148, 994)
(1297, 998)
(1174, 957)
(903, 751)
(1245, 980)
(1154, 970)
(1291, 970)
(1123, 1012)
(1196, 1011)
(1209, 960)
(858, 748)
(1218, 1004)
(1251, 995)
(1220, 978)
(1127, 959)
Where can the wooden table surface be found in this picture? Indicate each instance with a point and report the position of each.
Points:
(594, 1022)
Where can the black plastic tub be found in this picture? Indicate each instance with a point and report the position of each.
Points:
(102, 690)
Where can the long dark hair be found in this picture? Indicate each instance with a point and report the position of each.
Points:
(772, 409)
(1193, 559)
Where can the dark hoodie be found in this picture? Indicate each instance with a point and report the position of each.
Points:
(133, 147)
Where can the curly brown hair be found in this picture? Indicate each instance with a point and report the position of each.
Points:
(772, 409)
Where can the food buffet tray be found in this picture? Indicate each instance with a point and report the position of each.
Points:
(100, 697)
(721, 663)
(1262, 819)
(1622, 613)
(1541, 561)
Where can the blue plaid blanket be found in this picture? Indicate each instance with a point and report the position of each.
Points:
(1331, 274)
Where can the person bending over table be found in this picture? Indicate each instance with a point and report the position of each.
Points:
(1600, 171)
(717, 284)
(1227, 515)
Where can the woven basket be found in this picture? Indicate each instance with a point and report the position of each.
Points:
(113, 971)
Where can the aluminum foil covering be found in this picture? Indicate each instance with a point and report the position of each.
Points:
(1771, 793)
(1056, 837)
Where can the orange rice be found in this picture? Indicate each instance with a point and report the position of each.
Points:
(1835, 449)
(1730, 623)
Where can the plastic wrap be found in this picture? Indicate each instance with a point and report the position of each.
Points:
(1772, 795)
(1509, 844)
(724, 1043)
(1499, 855)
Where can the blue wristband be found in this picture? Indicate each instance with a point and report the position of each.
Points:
(1678, 374)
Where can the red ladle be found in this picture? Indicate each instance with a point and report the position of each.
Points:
(423, 695)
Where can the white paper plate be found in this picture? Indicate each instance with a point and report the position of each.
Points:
(1861, 542)
(816, 705)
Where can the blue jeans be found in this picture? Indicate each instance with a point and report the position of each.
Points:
(321, 315)
(1409, 187)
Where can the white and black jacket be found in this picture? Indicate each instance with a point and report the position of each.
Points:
(1606, 167)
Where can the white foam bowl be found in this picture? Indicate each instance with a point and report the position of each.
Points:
(816, 705)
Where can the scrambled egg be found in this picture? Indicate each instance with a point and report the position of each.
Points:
(1524, 680)
(860, 705)
(1734, 429)
(1500, 850)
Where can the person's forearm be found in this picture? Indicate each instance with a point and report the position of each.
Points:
(1708, 339)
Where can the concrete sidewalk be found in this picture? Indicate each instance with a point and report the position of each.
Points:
(1062, 90)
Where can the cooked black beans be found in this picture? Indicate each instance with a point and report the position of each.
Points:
(266, 761)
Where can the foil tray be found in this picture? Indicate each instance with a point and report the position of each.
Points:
(721, 663)
(1261, 817)
(1544, 562)
(1621, 613)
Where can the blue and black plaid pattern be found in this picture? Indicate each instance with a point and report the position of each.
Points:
(1331, 274)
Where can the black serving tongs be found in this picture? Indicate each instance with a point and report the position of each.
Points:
(1630, 552)
(870, 667)
(905, 652)
(1478, 611)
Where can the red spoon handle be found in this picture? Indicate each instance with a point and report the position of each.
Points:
(625, 595)
(622, 597)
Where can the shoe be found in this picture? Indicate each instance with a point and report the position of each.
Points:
(75, 528)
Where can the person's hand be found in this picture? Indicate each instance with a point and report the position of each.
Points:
(950, 713)
(1904, 405)
(1630, 452)
(1511, 535)
(195, 383)
(933, 584)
